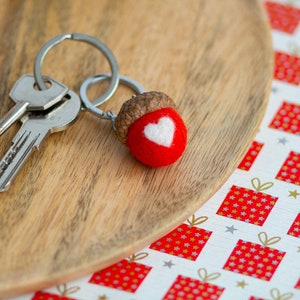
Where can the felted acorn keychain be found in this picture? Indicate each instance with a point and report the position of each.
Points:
(148, 123)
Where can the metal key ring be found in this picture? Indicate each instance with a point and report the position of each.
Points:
(84, 38)
(88, 105)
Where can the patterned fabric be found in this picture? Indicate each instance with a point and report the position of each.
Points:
(124, 275)
(254, 260)
(247, 205)
(283, 17)
(189, 288)
(184, 241)
(290, 170)
(250, 156)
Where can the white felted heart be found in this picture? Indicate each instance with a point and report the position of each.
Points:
(162, 132)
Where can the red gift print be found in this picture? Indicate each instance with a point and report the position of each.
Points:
(250, 156)
(295, 228)
(255, 260)
(290, 170)
(124, 275)
(186, 241)
(189, 288)
(287, 68)
(297, 285)
(287, 118)
(63, 291)
(275, 295)
(283, 17)
(247, 205)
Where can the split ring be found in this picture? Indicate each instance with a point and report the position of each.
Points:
(90, 40)
(89, 105)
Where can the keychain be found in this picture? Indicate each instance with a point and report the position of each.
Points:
(148, 123)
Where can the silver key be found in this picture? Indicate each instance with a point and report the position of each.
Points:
(28, 98)
(36, 127)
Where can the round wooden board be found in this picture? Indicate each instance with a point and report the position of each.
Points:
(82, 202)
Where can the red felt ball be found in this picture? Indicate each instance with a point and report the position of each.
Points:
(158, 138)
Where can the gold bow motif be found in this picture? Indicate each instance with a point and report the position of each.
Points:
(137, 256)
(64, 290)
(258, 186)
(275, 294)
(204, 276)
(265, 241)
(197, 221)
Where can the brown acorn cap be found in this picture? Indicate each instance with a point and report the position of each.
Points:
(138, 106)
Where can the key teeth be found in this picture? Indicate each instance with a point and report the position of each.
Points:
(8, 158)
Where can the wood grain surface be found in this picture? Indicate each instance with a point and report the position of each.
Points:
(82, 202)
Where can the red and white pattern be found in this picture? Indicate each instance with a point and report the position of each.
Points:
(283, 17)
(287, 118)
(48, 296)
(251, 156)
(256, 298)
(290, 170)
(297, 285)
(287, 68)
(247, 205)
(254, 260)
(275, 294)
(62, 293)
(190, 288)
(262, 196)
(124, 275)
(185, 241)
(295, 228)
